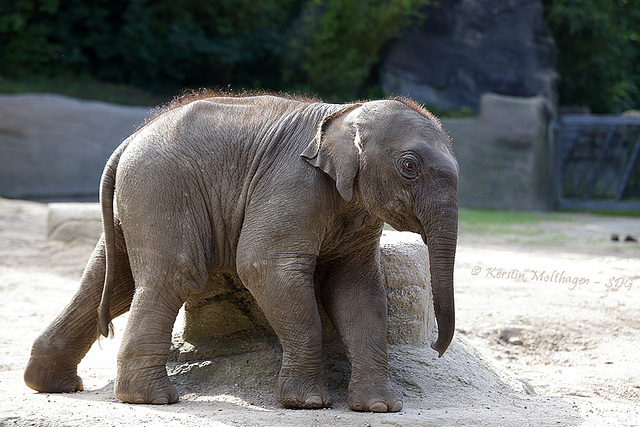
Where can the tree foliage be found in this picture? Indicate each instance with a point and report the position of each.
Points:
(341, 40)
(598, 52)
(325, 46)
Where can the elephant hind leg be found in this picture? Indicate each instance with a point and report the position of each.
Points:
(169, 253)
(161, 290)
(142, 375)
(55, 354)
(163, 280)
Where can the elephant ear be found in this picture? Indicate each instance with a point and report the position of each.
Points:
(336, 148)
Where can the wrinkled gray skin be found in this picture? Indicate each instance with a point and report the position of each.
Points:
(290, 194)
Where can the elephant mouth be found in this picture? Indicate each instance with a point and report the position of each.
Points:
(397, 217)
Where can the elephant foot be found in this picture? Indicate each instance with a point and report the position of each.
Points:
(151, 387)
(302, 393)
(374, 398)
(45, 374)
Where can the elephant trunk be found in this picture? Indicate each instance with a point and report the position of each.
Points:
(441, 236)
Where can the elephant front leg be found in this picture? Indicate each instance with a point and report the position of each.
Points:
(355, 300)
(284, 291)
(300, 382)
(55, 354)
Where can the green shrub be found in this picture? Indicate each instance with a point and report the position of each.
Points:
(598, 43)
(342, 39)
(325, 46)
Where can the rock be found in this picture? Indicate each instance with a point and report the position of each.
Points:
(527, 387)
(404, 260)
(225, 319)
(515, 341)
(466, 48)
(512, 335)
(56, 147)
(505, 154)
(74, 222)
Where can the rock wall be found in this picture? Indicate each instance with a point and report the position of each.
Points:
(53, 147)
(465, 48)
(56, 147)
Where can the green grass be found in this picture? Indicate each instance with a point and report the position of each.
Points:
(83, 88)
(631, 214)
(514, 228)
(503, 222)
(542, 229)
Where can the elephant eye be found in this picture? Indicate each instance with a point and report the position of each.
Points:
(409, 166)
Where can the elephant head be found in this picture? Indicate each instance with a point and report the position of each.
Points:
(394, 158)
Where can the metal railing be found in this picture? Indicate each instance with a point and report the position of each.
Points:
(597, 162)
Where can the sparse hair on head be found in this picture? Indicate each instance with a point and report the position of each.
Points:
(420, 109)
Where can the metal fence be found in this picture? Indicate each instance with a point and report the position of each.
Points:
(597, 162)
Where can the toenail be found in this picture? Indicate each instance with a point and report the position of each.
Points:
(397, 405)
(378, 407)
(313, 400)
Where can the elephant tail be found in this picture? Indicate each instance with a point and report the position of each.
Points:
(107, 191)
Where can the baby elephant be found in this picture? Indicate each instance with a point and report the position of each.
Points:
(289, 193)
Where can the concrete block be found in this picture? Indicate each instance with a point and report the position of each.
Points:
(74, 222)
(404, 261)
(505, 154)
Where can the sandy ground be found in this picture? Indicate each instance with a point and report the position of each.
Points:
(548, 322)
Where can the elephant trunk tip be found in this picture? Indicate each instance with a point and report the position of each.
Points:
(440, 347)
(435, 347)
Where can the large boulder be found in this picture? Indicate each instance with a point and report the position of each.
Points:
(56, 147)
(465, 48)
(225, 319)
